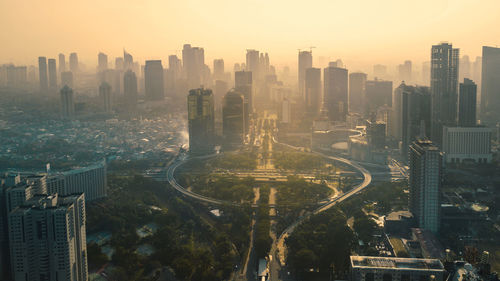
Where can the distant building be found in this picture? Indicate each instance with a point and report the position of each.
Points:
(233, 119)
(444, 89)
(467, 144)
(467, 104)
(73, 63)
(490, 85)
(313, 91)
(42, 72)
(218, 69)
(153, 73)
(106, 99)
(425, 162)
(357, 92)
(193, 59)
(405, 71)
(47, 238)
(378, 93)
(62, 63)
(130, 88)
(375, 134)
(67, 79)
(305, 62)
(52, 75)
(243, 81)
(388, 268)
(201, 121)
(67, 103)
(102, 62)
(335, 93)
(380, 71)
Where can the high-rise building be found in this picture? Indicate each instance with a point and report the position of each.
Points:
(312, 86)
(193, 59)
(130, 88)
(52, 75)
(67, 79)
(128, 61)
(220, 90)
(243, 82)
(357, 92)
(465, 68)
(490, 85)
(305, 62)
(218, 69)
(412, 114)
(62, 63)
(73, 63)
(153, 79)
(233, 119)
(380, 71)
(42, 72)
(102, 62)
(404, 71)
(425, 162)
(467, 103)
(467, 144)
(119, 64)
(67, 103)
(444, 89)
(335, 92)
(47, 238)
(105, 94)
(201, 121)
(253, 63)
(377, 93)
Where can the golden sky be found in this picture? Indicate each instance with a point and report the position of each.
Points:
(360, 32)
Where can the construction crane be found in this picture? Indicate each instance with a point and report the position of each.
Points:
(311, 48)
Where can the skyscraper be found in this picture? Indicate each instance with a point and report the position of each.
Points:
(67, 103)
(130, 88)
(62, 63)
(243, 84)
(52, 75)
(193, 59)
(490, 85)
(405, 71)
(67, 79)
(233, 118)
(119, 64)
(218, 69)
(253, 63)
(73, 63)
(153, 79)
(312, 86)
(444, 89)
(467, 103)
(128, 61)
(335, 92)
(47, 238)
(42, 72)
(105, 94)
(305, 62)
(377, 93)
(201, 121)
(102, 62)
(357, 92)
(425, 161)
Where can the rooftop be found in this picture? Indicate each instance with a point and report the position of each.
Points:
(399, 263)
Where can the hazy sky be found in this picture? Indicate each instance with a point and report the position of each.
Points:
(358, 31)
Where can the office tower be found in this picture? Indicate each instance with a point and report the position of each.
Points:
(119, 63)
(220, 90)
(426, 73)
(102, 62)
(47, 238)
(243, 85)
(375, 134)
(175, 65)
(42, 72)
(286, 111)
(67, 79)
(128, 61)
(380, 71)
(312, 86)
(357, 92)
(404, 71)
(16, 75)
(444, 89)
(67, 103)
(130, 88)
(425, 161)
(412, 115)
(490, 85)
(305, 62)
(467, 144)
(476, 72)
(253, 63)
(335, 92)
(73, 63)
(52, 75)
(465, 68)
(201, 121)
(218, 69)
(467, 103)
(193, 59)
(377, 94)
(153, 79)
(233, 119)
(237, 67)
(105, 94)
(62, 63)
